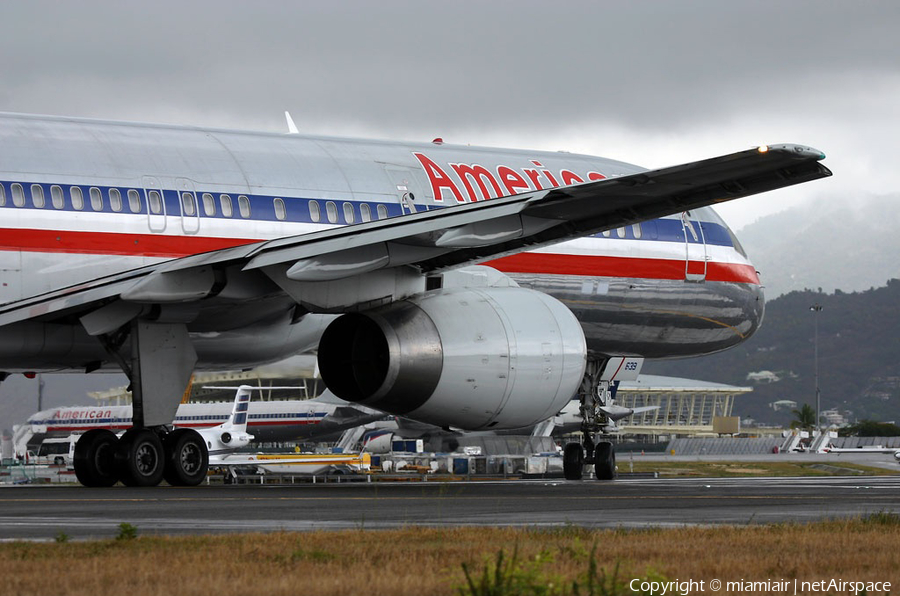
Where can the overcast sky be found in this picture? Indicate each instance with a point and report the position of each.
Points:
(652, 83)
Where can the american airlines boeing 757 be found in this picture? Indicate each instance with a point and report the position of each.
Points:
(460, 286)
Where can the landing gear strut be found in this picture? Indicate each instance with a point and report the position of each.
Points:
(158, 358)
(595, 398)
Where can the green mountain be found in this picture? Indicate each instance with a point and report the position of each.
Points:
(859, 356)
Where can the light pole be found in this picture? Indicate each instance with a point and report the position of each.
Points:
(816, 309)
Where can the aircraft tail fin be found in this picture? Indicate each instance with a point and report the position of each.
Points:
(238, 419)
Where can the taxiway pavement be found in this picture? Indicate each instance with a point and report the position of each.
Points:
(41, 513)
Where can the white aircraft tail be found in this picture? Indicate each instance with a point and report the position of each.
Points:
(350, 438)
(237, 422)
(232, 434)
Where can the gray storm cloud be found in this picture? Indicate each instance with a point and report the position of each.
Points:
(654, 83)
(407, 65)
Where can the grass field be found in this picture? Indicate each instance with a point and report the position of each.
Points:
(722, 469)
(421, 561)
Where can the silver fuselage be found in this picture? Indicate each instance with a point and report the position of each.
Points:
(84, 199)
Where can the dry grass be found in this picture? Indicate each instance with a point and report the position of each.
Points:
(710, 469)
(421, 561)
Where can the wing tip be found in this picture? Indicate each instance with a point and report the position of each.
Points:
(804, 151)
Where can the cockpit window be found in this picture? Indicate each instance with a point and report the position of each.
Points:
(736, 244)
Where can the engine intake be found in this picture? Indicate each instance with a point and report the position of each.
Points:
(469, 358)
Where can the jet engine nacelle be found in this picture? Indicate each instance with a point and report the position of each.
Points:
(463, 357)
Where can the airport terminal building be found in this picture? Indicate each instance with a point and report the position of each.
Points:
(685, 407)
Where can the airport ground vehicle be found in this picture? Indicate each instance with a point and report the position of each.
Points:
(57, 451)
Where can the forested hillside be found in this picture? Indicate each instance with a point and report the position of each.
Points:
(859, 356)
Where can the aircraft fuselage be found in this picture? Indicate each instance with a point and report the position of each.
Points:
(81, 200)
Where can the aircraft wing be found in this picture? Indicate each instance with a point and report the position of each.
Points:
(339, 422)
(434, 240)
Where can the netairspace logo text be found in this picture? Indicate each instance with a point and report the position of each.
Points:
(794, 587)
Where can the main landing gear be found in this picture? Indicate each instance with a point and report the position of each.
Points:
(141, 457)
(595, 396)
(149, 452)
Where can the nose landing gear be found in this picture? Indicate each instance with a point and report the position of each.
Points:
(599, 414)
(602, 456)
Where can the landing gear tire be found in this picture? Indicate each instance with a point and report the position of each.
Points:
(187, 458)
(605, 461)
(573, 461)
(140, 458)
(94, 459)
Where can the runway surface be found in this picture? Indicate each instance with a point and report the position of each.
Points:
(36, 513)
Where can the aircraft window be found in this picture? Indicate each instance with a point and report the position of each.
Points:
(244, 206)
(2, 196)
(636, 230)
(315, 214)
(77, 197)
(280, 212)
(209, 204)
(349, 214)
(382, 212)
(115, 199)
(365, 212)
(134, 201)
(18, 195)
(96, 199)
(188, 205)
(605, 233)
(620, 232)
(56, 195)
(331, 211)
(154, 200)
(225, 203)
(37, 195)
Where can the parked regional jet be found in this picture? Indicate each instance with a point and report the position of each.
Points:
(160, 250)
